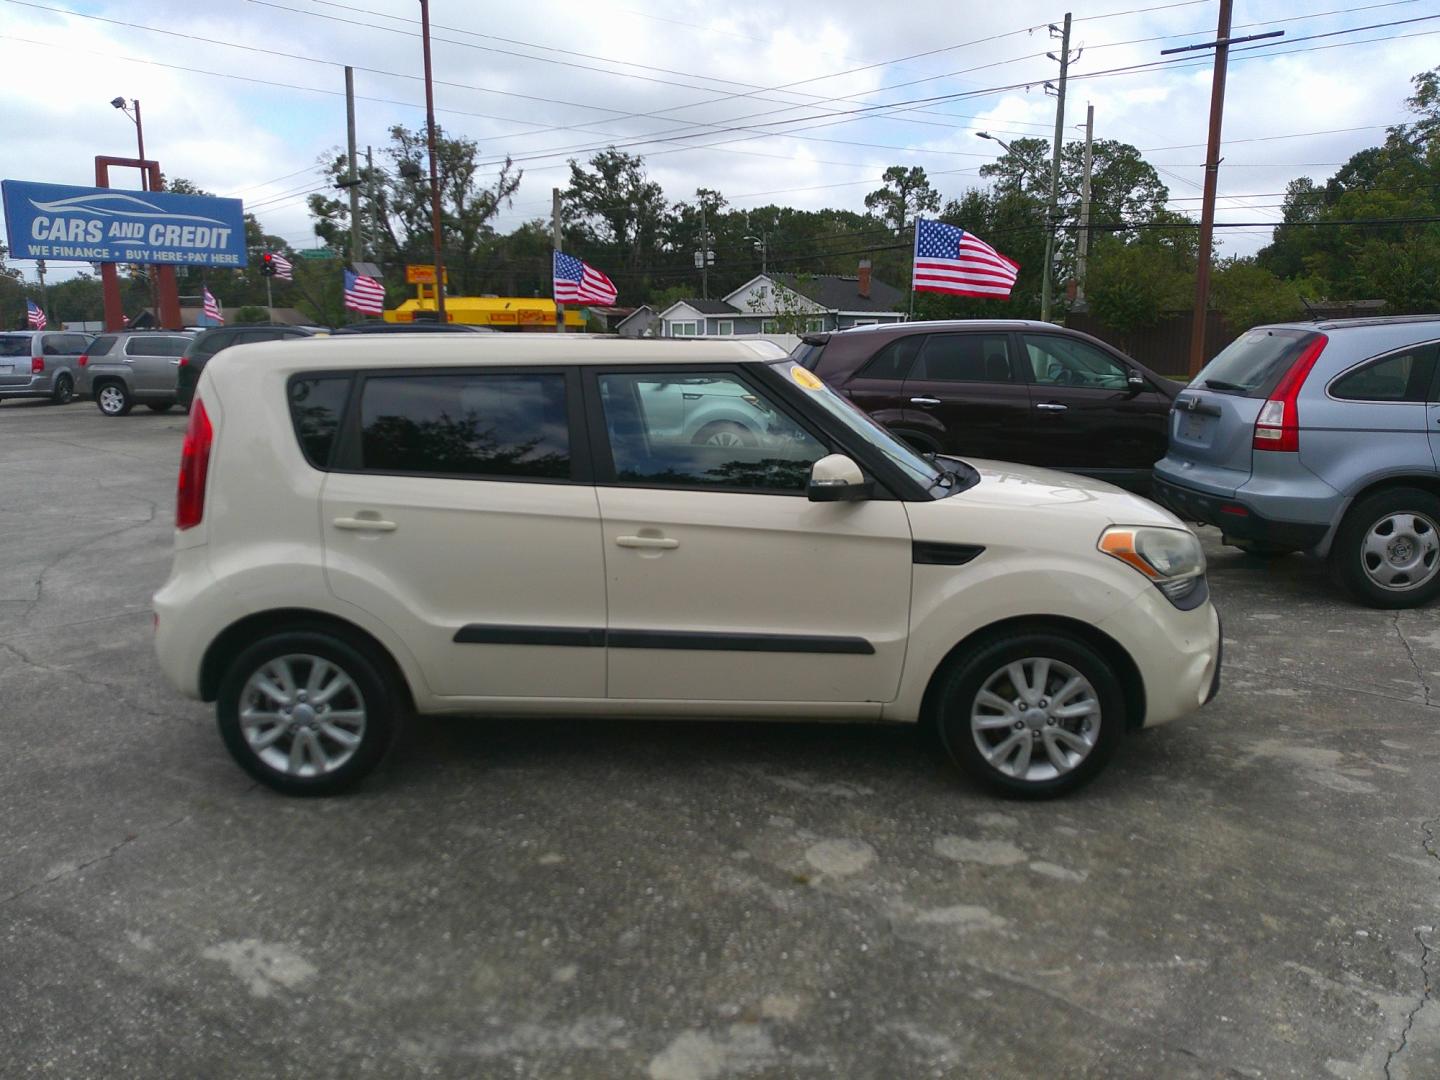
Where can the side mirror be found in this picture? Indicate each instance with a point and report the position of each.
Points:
(837, 479)
(1135, 381)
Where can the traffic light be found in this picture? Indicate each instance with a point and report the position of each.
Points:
(267, 264)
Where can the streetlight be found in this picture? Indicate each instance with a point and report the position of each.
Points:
(762, 245)
(119, 103)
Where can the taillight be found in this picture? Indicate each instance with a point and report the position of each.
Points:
(1278, 425)
(84, 359)
(37, 365)
(184, 360)
(194, 467)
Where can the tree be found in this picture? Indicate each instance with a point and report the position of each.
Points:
(906, 195)
(1132, 285)
(614, 207)
(1246, 294)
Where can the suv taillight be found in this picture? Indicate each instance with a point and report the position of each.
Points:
(37, 365)
(1278, 425)
(84, 359)
(184, 360)
(194, 467)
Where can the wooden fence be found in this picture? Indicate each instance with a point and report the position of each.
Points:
(1164, 347)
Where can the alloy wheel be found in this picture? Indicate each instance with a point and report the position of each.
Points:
(1035, 719)
(1401, 551)
(302, 715)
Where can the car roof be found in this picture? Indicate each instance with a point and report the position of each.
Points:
(1351, 324)
(423, 349)
(952, 324)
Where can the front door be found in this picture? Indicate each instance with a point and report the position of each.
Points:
(459, 518)
(1087, 417)
(966, 395)
(725, 583)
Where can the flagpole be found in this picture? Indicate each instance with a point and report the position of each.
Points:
(914, 248)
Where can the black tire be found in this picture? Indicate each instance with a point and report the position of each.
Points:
(159, 406)
(375, 691)
(968, 674)
(1257, 550)
(113, 399)
(1349, 559)
(725, 433)
(64, 391)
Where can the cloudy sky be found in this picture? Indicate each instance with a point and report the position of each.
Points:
(797, 102)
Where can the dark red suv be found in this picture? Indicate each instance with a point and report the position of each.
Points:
(1010, 390)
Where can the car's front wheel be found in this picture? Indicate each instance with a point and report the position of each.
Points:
(307, 712)
(1387, 550)
(1033, 713)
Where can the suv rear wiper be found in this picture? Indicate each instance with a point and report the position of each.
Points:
(1221, 384)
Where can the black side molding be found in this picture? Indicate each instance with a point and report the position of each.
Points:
(486, 634)
(929, 553)
(695, 640)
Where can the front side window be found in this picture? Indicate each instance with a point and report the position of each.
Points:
(1057, 361)
(965, 358)
(501, 426)
(703, 430)
(1403, 376)
(317, 404)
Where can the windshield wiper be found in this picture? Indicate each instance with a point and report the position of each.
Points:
(1221, 384)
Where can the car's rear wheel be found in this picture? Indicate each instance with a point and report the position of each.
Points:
(307, 712)
(1033, 713)
(64, 391)
(1387, 550)
(725, 433)
(113, 399)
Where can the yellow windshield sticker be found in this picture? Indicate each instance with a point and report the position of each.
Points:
(805, 378)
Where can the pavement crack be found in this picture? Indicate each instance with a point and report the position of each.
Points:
(99, 684)
(71, 871)
(1428, 828)
(34, 601)
(1410, 652)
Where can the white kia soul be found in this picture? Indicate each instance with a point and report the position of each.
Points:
(554, 525)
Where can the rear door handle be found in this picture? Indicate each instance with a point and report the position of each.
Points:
(647, 541)
(365, 524)
(174, 363)
(1051, 406)
(928, 402)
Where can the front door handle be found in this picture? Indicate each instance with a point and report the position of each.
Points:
(1051, 406)
(928, 402)
(647, 542)
(365, 524)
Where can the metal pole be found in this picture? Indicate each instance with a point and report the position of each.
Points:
(1082, 255)
(44, 299)
(435, 220)
(1048, 269)
(914, 250)
(353, 182)
(556, 240)
(269, 300)
(1207, 207)
(140, 139)
(704, 255)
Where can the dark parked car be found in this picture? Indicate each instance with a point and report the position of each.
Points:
(1009, 389)
(207, 343)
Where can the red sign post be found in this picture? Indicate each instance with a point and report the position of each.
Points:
(163, 276)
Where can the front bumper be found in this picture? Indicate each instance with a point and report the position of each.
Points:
(1236, 517)
(1177, 653)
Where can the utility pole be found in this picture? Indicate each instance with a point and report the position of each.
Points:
(555, 239)
(435, 219)
(1048, 270)
(704, 256)
(352, 181)
(1083, 252)
(1221, 45)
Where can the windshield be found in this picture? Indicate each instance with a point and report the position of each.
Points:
(915, 466)
(1253, 363)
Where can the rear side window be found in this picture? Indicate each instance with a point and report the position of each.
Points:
(1254, 362)
(317, 405)
(155, 346)
(895, 360)
(964, 358)
(208, 344)
(102, 345)
(1402, 376)
(807, 355)
(502, 426)
(14, 344)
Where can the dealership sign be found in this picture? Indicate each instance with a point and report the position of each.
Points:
(53, 221)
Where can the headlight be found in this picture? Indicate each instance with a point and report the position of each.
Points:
(1171, 558)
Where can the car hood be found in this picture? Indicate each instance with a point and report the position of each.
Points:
(1036, 499)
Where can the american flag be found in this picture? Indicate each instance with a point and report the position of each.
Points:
(577, 282)
(950, 260)
(283, 270)
(364, 294)
(212, 307)
(34, 316)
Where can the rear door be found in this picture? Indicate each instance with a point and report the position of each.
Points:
(1212, 428)
(153, 360)
(878, 387)
(966, 394)
(1086, 416)
(460, 514)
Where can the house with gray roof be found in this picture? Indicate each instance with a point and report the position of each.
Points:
(774, 303)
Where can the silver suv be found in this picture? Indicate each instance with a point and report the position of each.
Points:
(40, 363)
(1320, 437)
(121, 370)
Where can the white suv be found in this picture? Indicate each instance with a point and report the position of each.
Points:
(504, 525)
